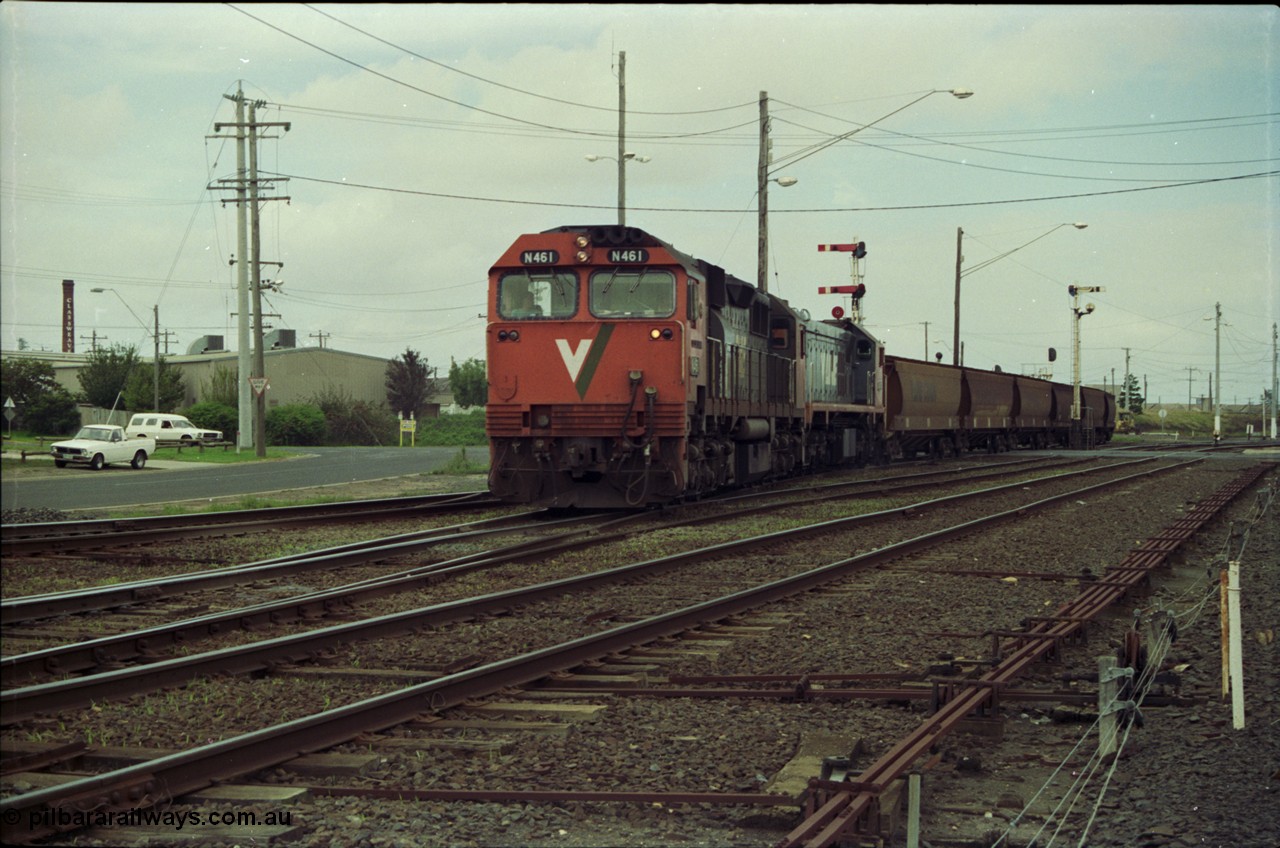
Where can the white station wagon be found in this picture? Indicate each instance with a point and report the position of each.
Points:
(158, 425)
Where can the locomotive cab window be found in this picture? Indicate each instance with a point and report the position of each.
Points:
(547, 294)
(633, 293)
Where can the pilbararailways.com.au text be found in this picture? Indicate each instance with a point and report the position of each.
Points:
(174, 819)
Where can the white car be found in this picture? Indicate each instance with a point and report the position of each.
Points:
(99, 445)
(166, 427)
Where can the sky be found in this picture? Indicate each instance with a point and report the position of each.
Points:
(423, 139)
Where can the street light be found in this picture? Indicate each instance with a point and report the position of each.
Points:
(155, 335)
(622, 178)
(1075, 355)
(955, 351)
(764, 176)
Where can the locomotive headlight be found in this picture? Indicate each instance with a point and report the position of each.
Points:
(582, 241)
(583, 256)
(502, 335)
(664, 333)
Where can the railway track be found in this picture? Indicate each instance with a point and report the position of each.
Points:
(96, 534)
(461, 686)
(140, 651)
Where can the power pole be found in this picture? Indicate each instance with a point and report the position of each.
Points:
(94, 339)
(249, 184)
(1274, 381)
(926, 340)
(1217, 369)
(622, 138)
(1189, 371)
(244, 434)
(1124, 390)
(955, 342)
(322, 335)
(259, 365)
(762, 198)
(155, 372)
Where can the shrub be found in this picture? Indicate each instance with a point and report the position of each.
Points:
(215, 416)
(295, 424)
(451, 430)
(354, 422)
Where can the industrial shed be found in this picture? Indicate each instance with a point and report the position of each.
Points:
(294, 375)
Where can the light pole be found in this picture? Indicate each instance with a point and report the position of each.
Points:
(1078, 313)
(955, 341)
(764, 175)
(1217, 371)
(155, 335)
(622, 179)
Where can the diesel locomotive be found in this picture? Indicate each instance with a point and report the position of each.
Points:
(624, 373)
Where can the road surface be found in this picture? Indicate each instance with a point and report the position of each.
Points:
(163, 482)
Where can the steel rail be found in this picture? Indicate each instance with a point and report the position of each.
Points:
(61, 536)
(142, 644)
(146, 643)
(840, 809)
(30, 607)
(534, 796)
(928, 691)
(22, 703)
(34, 814)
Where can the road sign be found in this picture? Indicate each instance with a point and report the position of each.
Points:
(259, 385)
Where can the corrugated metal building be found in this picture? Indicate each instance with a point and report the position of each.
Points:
(294, 375)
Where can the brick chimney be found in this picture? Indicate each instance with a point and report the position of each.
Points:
(68, 316)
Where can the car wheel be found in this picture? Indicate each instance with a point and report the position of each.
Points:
(186, 438)
(99, 462)
(139, 460)
(61, 463)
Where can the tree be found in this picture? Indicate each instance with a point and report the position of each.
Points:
(140, 388)
(42, 406)
(106, 373)
(409, 383)
(24, 380)
(1131, 397)
(468, 383)
(52, 414)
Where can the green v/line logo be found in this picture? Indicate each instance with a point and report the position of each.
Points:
(583, 359)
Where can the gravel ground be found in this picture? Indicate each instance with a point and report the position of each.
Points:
(1184, 778)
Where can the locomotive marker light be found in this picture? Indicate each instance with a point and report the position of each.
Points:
(1079, 313)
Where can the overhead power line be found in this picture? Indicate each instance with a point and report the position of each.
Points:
(477, 199)
(418, 89)
(610, 109)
